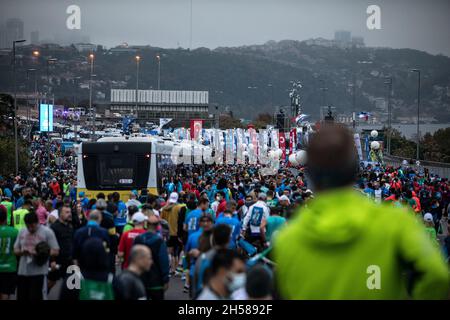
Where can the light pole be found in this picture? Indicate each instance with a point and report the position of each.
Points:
(389, 83)
(138, 59)
(91, 59)
(75, 86)
(49, 60)
(324, 92)
(158, 57)
(16, 142)
(36, 55)
(418, 110)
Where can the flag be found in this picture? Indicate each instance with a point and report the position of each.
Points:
(164, 121)
(282, 144)
(300, 118)
(196, 129)
(292, 140)
(364, 115)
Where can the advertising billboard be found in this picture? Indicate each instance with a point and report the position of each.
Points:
(45, 117)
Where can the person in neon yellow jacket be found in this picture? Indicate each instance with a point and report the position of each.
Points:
(344, 246)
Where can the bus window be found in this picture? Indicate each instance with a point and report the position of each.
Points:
(116, 170)
(165, 169)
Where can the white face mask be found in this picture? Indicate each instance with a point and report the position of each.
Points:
(237, 281)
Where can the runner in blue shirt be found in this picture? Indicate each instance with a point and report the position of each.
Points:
(228, 219)
(192, 221)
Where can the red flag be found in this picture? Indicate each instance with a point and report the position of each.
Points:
(282, 144)
(292, 140)
(196, 128)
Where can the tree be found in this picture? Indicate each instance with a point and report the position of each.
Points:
(227, 122)
(7, 146)
(6, 115)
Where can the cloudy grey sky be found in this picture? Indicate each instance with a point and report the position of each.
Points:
(417, 24)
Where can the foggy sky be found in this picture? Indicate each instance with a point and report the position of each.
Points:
(416, 24)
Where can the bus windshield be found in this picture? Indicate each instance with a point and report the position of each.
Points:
(116, 169)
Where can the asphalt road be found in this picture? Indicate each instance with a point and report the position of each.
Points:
(175, 291)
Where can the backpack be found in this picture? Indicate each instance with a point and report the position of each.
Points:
(97, 290)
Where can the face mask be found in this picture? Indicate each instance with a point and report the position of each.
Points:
(248, 203)
(237, 281)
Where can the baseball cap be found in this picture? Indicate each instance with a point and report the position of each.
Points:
(284, 198)
(139, 217)
(428, 217)
(262, 196)
(101, 204)
(81, 194)
(173, 198)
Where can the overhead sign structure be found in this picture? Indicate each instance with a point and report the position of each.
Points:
(45, 117)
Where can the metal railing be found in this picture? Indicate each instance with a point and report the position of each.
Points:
(439, 168)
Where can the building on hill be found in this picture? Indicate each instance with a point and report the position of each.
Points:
(181, 106)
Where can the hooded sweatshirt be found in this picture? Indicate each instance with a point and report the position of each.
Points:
(344, 246)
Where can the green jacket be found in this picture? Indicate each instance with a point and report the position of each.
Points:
(334, 248)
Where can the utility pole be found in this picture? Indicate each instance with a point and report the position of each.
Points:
(418, 111)
(16, 138)
(91, 58)
(389, 83)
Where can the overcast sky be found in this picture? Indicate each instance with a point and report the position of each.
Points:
(416, 24)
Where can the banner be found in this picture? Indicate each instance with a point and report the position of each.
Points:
(46, 117)
(196, 129)
(358, 146)
(292, 140)
(282, 144)
(163, 122)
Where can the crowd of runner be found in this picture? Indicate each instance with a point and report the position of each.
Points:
(213, 227)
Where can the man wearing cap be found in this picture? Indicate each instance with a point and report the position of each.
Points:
(171, 213)
(127, 238)
(252, 221)
(133, 201)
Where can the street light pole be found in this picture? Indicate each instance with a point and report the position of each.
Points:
(389, 83)
(158, 57)
(91, 58)
(323, 89)
(16, 142)
(418, 111)
(138, 59)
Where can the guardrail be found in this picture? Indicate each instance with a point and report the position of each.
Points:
(439, 168)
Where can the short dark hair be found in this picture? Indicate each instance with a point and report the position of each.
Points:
(111, 207)
(31, 218)
(203, 201)
(206, 216)
(222, 259)
(65, 205)
(259, 282)
(116, 196)
(100, 195)
(221, 234)
(132, 210)
(332, 159)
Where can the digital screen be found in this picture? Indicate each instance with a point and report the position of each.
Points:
(46, 117)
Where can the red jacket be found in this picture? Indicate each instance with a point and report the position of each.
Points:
(56, 189)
